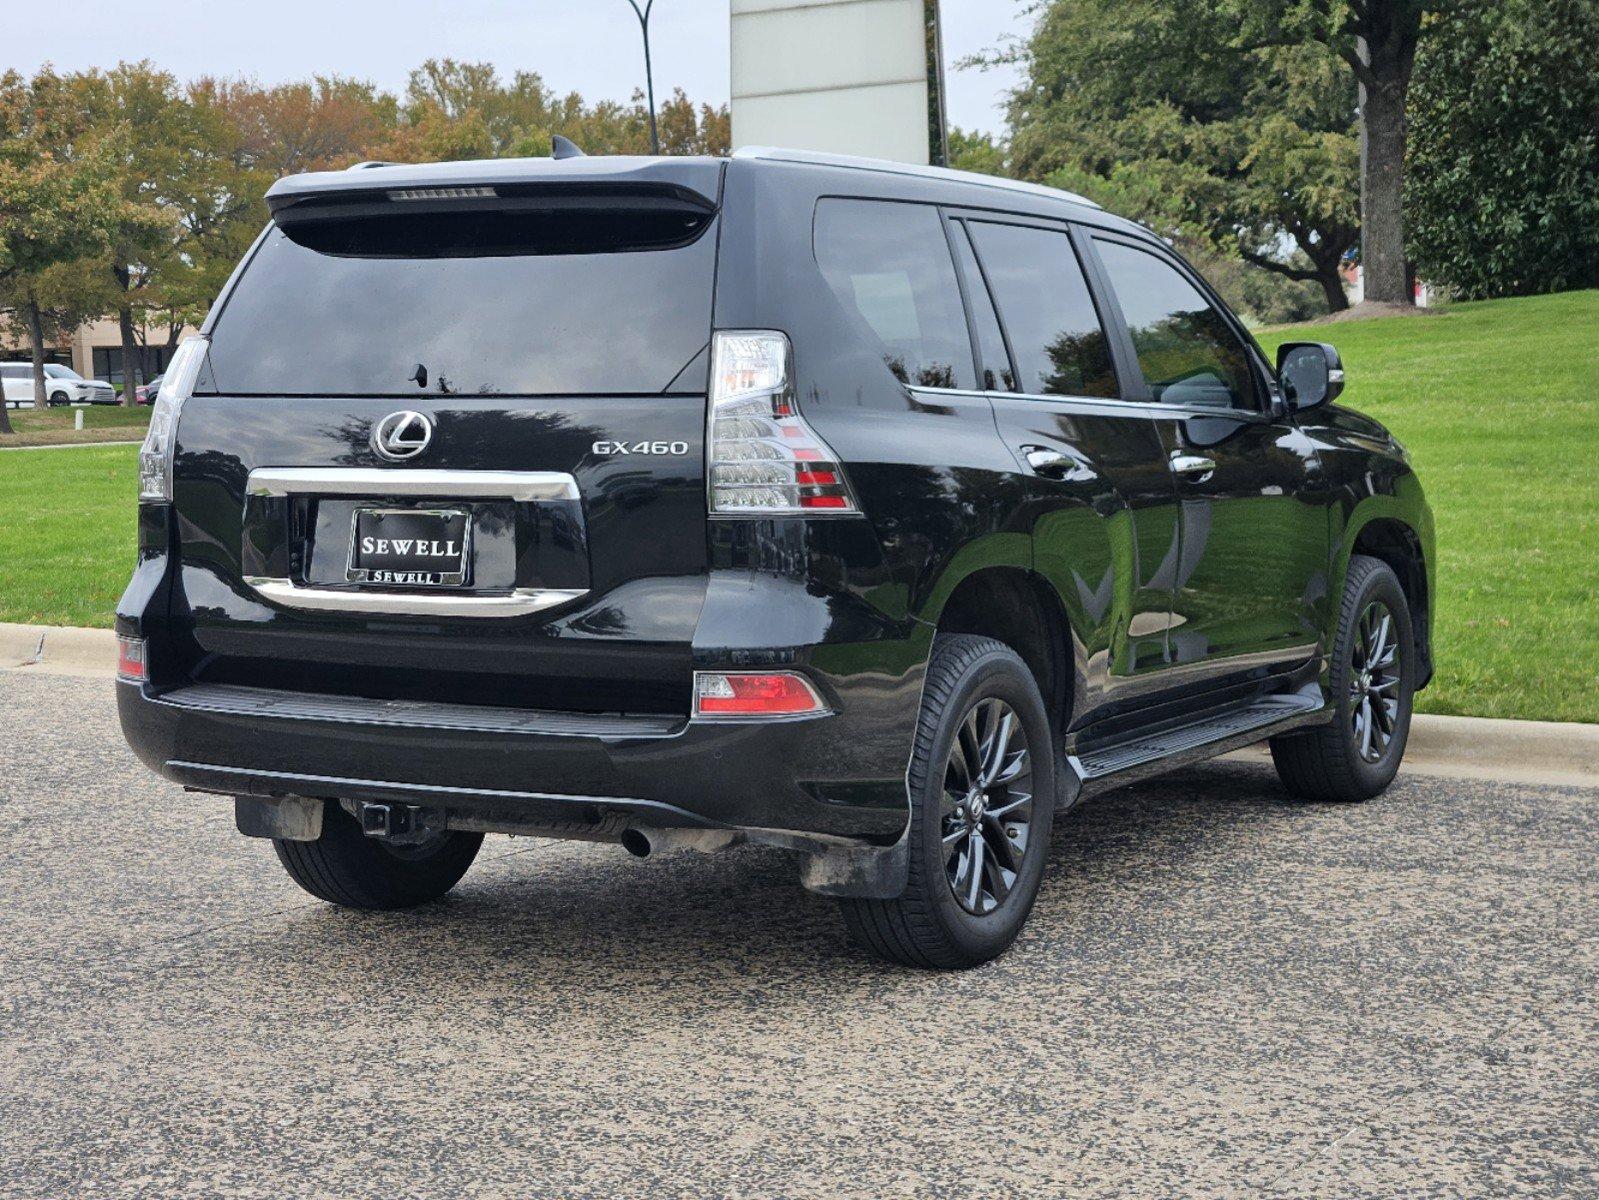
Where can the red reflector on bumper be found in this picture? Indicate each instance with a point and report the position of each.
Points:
(752, 694)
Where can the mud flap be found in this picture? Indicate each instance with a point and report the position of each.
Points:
(862, 871)
(291, 818)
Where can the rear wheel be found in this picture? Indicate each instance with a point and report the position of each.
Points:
(982, 785)
(347, 868)
(1373, 679)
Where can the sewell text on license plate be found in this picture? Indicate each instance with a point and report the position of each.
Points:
(409, 547)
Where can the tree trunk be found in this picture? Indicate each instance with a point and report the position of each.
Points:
(1332, 286)
(130, 356)
(1382, 172)
(41, 398)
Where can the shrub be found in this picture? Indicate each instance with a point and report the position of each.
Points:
(1503, 189)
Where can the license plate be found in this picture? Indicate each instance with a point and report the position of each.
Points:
(409, 547)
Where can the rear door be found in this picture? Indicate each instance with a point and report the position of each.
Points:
(448, 445)
(1102, 514)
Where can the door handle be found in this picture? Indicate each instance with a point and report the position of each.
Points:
(1192, 464)
(1048, 462)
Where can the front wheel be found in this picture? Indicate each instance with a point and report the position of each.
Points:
(347, 868)
(1374, 680)
(982, 790)
(59, 398)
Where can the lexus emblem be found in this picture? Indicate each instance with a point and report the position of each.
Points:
(402, 435)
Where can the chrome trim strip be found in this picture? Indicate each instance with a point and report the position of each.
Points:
(517, 603)
(385, 481)
(1152, 408)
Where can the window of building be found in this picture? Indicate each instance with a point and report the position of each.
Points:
(888, 263)
(1044, 301)
(108, 363)
(1185, 349)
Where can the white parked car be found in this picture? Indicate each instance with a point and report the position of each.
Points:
(63, 385)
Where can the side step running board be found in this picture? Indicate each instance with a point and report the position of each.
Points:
(1152, 754)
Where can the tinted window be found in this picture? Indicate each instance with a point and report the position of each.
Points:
(1043, 299)
(889, 264)
(1187, 352)
(997, 375)
(13, 372)
(312, 321)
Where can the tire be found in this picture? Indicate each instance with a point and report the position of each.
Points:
(1335, 761)
(347, 868)
(972, 682)
(60, 398)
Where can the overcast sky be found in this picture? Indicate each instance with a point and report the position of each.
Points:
(589, 46)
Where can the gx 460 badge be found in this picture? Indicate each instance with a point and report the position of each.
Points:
(661, 448)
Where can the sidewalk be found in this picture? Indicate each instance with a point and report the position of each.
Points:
(1537, 752)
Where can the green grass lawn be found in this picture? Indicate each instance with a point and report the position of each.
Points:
(67, 540)
(1496, 401)
(101, 423)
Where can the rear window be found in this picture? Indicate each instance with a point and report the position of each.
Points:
(888, 263)
(1044, 301)
(520, 305)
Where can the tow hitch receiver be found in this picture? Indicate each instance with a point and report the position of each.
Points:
(398, 823)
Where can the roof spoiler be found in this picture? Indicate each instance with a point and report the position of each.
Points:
(611, 183)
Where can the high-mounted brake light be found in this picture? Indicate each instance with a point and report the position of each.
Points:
(764, 459)
(443, 193)
(130, 659)
(754, 694)
(155, 456)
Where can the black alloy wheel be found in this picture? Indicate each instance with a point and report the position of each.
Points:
(1374, 682)
(1372, 670)
(982, 787)
(988, 806)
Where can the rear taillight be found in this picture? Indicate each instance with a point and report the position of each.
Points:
(130, 659)
(155, 456)
(764, 460)
(754, 694)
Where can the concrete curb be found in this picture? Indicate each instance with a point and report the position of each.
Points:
(58, 649)
(1539, 752)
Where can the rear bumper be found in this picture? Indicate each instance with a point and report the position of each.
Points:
(838, 775)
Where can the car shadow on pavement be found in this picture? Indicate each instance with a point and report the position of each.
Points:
(549, 909)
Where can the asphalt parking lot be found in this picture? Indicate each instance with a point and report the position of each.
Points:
(1220, 994)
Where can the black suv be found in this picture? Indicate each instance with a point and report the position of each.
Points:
(875, 512)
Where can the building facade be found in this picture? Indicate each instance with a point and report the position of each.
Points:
(94, 349)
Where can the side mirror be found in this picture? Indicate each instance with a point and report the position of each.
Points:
(1311, 373)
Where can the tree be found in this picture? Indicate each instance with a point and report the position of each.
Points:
(1376, 41)
(57, 204)
(971, 150)
(156, 147)
(465, 110)
(324, 124)
(1503, 197)
(1157, 107)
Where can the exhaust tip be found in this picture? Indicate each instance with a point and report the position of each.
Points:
(635, 843)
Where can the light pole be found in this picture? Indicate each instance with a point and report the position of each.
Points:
(643, 15)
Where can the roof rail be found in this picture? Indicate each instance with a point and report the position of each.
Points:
(889, 167)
